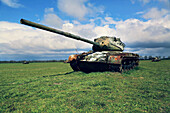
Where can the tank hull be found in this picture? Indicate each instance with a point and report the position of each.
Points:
(105, 61)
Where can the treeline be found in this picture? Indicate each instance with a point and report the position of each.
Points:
(151, 57)
(33, 61)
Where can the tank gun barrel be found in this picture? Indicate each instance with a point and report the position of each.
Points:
(36, 25)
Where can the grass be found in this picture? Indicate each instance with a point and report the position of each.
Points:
(54, 87)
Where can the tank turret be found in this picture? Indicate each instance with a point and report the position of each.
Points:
(103, 43)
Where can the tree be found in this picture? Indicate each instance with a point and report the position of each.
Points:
(150, 57)
(145, 57)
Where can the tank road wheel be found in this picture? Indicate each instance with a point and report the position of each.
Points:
(115, 68)
(133, 64)
(111, 68)
(74, 65)
(124, 68)
(120, 69)
(128, 67)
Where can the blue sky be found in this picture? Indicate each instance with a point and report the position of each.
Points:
(143, 25)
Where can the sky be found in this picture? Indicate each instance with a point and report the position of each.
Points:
(143, 25)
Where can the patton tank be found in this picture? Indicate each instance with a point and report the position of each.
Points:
(106, 54)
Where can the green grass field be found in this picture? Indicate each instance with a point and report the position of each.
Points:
(54, 87)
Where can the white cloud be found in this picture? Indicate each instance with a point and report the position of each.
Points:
(110, 20)
(12, 3)
(79, 8)
(134, 31)
(143, 37)
(19, 39)
(52, 20)
(104, 31)
(74, 8)
(148, 1)
(145, 1)
(141, 12)
(154, 13)
(49, 10)
(85, 31)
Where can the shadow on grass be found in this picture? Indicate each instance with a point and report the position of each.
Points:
(138, 68)
(126, 72)
(60, 74)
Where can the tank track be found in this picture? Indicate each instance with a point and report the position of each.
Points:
(124, 66)
(127, 63)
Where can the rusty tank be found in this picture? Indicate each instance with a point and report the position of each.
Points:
(106, 54)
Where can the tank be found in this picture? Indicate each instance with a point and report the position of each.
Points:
(25, 62)
(106, 54)
(156, 59)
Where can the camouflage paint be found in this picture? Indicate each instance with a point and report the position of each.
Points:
(115, 59)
